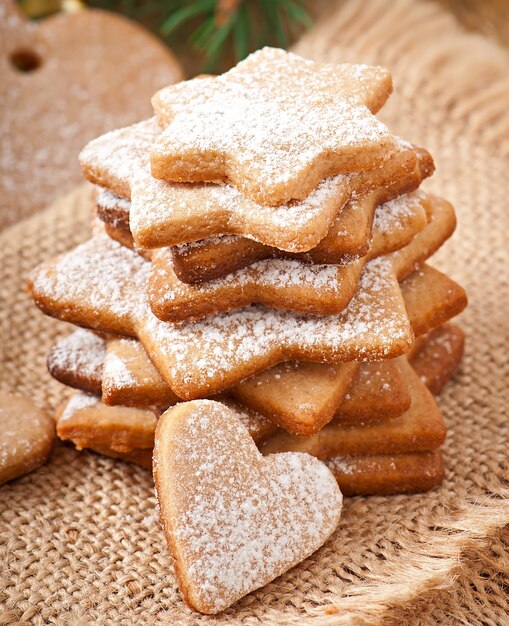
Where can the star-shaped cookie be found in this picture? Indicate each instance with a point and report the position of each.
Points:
(166, 214)
(273, 126)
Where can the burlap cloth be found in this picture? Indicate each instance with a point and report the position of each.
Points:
(79, 539)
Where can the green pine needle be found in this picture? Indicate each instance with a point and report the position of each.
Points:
(250, 25)
(185, 14)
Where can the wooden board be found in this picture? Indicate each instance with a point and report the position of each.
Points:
(85, 73)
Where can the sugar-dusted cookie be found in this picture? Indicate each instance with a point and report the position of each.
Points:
(348, 237)
(300, 397)
(206, 357)
(27, 435)
(273, 126)
(77, 361)
(387, 474)
(165, 214)
(130, 378)
(202, 358)
(293, 285)
(88, 423)
(437, 355)
(379, 391)
(362, 222)
(368, 401)
(234, 520)
(431, 298)
(419, 429)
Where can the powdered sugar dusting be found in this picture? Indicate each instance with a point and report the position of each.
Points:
(242, 520)
(113, 159)
(389, 216)
(117, 370)
(78, 401)
(108, 200)
(218, 350)
(272, 117)
(102, 276)
(172, 214)
(81, 351)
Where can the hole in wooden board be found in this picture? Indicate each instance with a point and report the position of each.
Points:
(25, 60)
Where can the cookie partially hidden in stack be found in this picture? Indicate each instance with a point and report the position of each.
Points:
(259, 248)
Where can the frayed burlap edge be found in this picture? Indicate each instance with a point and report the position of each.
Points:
(456, 545)
(432, 581)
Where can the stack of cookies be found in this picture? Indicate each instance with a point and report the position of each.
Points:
(262, 241)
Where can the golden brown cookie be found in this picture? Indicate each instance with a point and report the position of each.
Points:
(274, 126)
(206, 357)
(386, 475)
(165, 214)
(348, 237)
(436, 356)
(303, 397)
(379, 391)
(290, 284)
(77, 361)
(419, 429)
(431, 298)
(299, 397)
(88, 423)
(223, 543)
(108, 297)
(129, 377)
(27, 435)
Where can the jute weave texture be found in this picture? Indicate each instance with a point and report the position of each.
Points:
(79, 539)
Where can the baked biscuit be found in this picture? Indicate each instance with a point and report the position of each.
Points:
(291, 284)
(77, 361)
(199, 359)
(130, 378)
(165, 214)
(303, 397)
(419, 429)
(348, 237)
(436, 356)
(88, 423)
(274, 126)
(382, 475)
(27, 435)
(386, 475)
(300, 397)
(203, 358)
(288, 392)
(377, 392)
(223, 542)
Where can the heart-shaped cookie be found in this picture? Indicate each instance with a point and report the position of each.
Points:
(233, 519)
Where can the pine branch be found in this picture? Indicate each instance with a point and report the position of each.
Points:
(217, 29)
